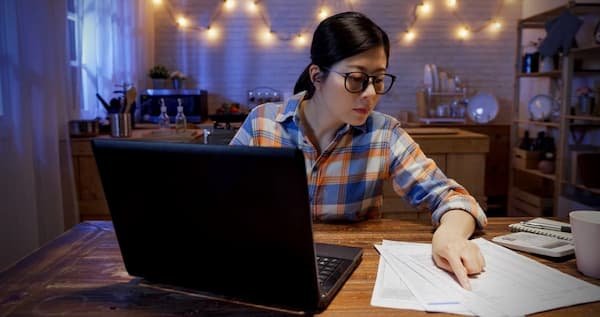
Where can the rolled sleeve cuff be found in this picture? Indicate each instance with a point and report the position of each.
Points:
(461, 202)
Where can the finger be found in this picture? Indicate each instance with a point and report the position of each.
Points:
(473, 264)
(442, 263)
(482, 260)
(459, 270)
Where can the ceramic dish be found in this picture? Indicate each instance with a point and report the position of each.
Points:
(482, 108)
(436, 78)
(540, 107)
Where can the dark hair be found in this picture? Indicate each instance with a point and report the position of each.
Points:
(338, 37)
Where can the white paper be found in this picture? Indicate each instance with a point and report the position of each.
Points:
(511, 285)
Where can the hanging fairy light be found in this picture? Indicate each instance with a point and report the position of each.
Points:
(212, 33)
(496, 25)
(451, 4)
(300, 40)
(157, 2)
(409, 35)
(267, 36)
(182, 22)
(463, 32)
(324, 13)
(229, 5)
(425, 8)
(252, 6)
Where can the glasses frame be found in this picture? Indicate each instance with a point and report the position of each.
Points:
(365, 84)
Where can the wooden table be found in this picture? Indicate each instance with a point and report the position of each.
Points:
(81, 273)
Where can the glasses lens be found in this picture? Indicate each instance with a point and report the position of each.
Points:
(358, 82)
(355, 81)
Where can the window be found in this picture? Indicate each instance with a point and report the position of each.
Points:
(73, 40)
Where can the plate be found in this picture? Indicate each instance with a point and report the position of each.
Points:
(427, 76)
(436, 78)
(540, 107)
(482, 108)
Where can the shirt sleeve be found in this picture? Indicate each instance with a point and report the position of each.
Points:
(244, 134)
(419, 180)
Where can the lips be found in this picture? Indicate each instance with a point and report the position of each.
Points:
(361, 110)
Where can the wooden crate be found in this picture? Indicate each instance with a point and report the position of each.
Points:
(526, 159)
(532, 204)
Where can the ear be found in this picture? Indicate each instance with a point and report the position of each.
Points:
(315, 74)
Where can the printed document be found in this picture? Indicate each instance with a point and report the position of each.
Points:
(511, 285)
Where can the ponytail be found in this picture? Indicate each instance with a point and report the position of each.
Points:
(304, 83)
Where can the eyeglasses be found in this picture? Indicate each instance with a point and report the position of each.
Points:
(357, 82)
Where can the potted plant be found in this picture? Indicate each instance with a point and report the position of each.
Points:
(158, 73)
(177, 77)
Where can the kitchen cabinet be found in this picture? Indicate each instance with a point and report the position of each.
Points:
(533, 192)
(92, 203)
(460, 154)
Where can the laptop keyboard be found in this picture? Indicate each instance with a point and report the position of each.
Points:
(330, 270)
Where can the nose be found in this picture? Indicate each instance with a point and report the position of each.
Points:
(370, 89)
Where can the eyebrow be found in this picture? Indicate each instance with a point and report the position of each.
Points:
(364, 69)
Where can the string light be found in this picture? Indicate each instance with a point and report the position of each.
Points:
(182, 22)
(212, 33)
(409, 36)
(229, 4)
(496, 25)
(300, 40)
(324, 13)
(252, 6)
(425, 8)
(463, 33)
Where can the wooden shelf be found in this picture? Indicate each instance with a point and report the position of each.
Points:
(536, 172)
(585, 50)
(554, 73)
(589, 189)
(538, 123)
(587, 118)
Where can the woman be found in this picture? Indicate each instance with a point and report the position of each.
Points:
(350, 149)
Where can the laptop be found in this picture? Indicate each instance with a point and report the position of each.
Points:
(232, 222)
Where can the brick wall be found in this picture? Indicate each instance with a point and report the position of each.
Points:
(239, 61)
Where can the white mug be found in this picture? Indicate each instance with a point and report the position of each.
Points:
(585, 225)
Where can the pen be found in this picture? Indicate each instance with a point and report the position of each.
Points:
(546, 226)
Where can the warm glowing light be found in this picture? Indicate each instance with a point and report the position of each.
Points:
(324, 13)
(409, 36)
(251, 6)
(157, 2)
(229, 5)
(463, 33)
(496, 25)
(451, 3)
(212, 33)
(425, 8)
(267, 36)
(300, 40)
(182, 22)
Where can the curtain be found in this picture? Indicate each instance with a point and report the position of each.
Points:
(117, 47)
(36, 184)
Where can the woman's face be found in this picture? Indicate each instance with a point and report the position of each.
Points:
(344, 106)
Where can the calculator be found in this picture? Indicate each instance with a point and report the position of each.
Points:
(536, 243)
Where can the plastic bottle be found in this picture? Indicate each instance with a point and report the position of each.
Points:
(525, 142)
(180, 119)
(163, 119)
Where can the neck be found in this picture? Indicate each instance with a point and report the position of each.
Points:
(318, 122)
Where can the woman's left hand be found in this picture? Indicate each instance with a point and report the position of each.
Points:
(453, 252)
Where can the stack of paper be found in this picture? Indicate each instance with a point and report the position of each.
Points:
(511, 285)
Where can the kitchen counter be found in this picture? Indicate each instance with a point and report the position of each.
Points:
(459, 153)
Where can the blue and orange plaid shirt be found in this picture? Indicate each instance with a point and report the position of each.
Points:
(345, 181)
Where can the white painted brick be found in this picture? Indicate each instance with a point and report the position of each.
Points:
(238, 62)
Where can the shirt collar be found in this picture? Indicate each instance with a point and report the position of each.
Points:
(292, 105)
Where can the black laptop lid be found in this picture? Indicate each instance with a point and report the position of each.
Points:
(228, 220)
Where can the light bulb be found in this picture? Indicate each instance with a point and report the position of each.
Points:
(425, 8)
(451, 3)
(463, 33)
(409, 35)
(212, 32)
(300, 40)
(182, 21)
(229, 5)
(496, 25)
(157, 2)
(323, 13)
(252, 6)
(267, 36)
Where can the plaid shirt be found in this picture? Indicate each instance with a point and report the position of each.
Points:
(345, 181)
